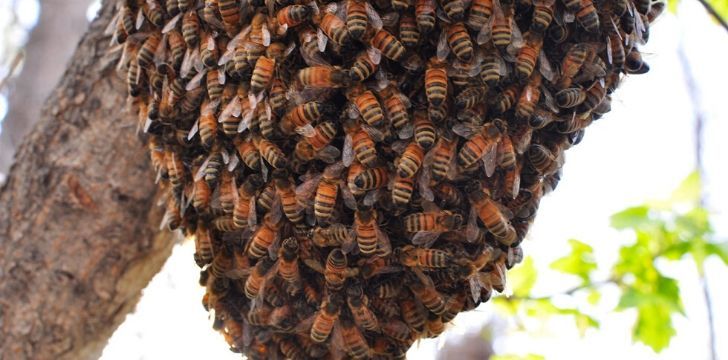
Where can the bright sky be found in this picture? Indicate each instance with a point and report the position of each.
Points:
(639, 151)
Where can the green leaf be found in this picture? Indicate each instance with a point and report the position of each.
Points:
(672, 5)
(523, 277)
(720, 250)
(632, 217)
(689, 190)
(594, 297)
(721, 7)
(653, 326)
(579, 262)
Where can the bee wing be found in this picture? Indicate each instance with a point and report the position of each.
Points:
(193, 131)
(171, 24)
(406, 132)
(304, 327)
(349, 244)
(515, 187)
(139, 19)
(195, 82)
(374, 133)
(274, 247)
(485, 32)
(443, 48)
(232, 108)
(276, 211)
(236, 274)
(348, 197)
(266, 35)
(489, 160)
(399, 146)
(425, 238)
(472, 230)
(263, 169)
(384, 245)
(328, 154)
(374, 19)
(466, 130)
(306, 130)
(375, 56)
(252, 214)
(321, 40)
(234, 162)
(371, 197)
(201, 171)
(307, 188)
(347, 155)
(423, 184)
(545, 68)
(390, 19)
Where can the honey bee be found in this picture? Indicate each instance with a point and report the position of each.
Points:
(634, 64)
(355, 169)
(331, 25)
(230, 14)
(570, 97)
(256, 281)
(191, 29)
(454, 305)
(359, 307)
(333, 235)
(325, 318)
(410, 161)
(184, 5)
(455, 9)
(434, 326)
(286, 192)
(153, 12)
(271, 153)
(367, 230)
(290, 348)
(493, 69)
(175, 168)
(436, 82)
(409, 33)
(543, 14)
(616, 54)
(587, 16)
(481, 145)
(203, 245)
(387, 44)
(528, 55)
(502, 31)
(480, 12)
(459, 40)
(244, 211)
(529, 98)
(470, 98)
(424, 289)
(425, 15)
(353, 341)
(327, 191)
(413, 313)
(317, 146)
(293, 15)
(424, 130)
(367, 105)
(264, 237)
(323, 77)
(490, 214)
(288, 263)
(358, 143)
(248, 153)
(428, 226)
(356, 18)
(300, 118)
(262, 74)
(366, 63)
(397, 330)
(593, 96)
(266, 198)
(336, 271)
(439, 159)
(396, 105)
(373, 178)
(411, 256)
(177, 47)
(227, 192)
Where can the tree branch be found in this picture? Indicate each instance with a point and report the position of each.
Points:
(709, 8)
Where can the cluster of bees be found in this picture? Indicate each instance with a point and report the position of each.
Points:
(356, 173)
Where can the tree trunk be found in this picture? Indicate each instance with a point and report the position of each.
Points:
(78, 217)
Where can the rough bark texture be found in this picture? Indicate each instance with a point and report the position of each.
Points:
(78, 221)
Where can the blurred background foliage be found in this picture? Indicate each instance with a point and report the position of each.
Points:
(662, 231)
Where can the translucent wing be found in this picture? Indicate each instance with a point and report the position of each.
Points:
(347, 155)
(443, 49)
(425, 238)
(193, 131)
(171, 24)
(489, 160)
(374, 19)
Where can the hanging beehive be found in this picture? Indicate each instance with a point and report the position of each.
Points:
(354, 174)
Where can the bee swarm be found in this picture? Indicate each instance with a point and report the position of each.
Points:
(354, 174)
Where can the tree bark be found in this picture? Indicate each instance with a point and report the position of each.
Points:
(78, 217)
